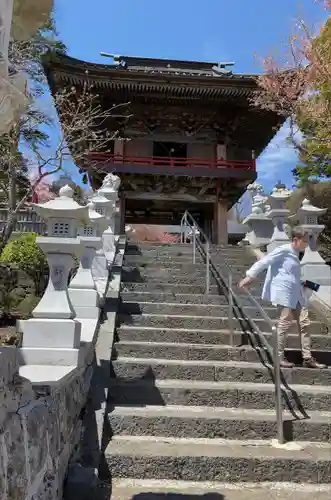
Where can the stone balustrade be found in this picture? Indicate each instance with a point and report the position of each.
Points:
(44, 385)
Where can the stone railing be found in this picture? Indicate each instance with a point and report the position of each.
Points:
(45, 384)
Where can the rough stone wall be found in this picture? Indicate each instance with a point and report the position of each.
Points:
(40, 430)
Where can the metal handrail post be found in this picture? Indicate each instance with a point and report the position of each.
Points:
(207, 267)
(194, 244)
(230, 311)
(278, 393)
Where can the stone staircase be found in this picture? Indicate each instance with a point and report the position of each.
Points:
(192, 415)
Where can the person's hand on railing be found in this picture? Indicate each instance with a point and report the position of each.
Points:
(245, 282)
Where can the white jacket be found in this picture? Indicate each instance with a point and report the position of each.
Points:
(282, 285)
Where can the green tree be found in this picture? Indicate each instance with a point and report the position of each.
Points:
(297, 85)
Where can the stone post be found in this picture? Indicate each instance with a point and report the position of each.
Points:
(83, 292)
(100, 266)
(278, 214)
(109, 190)
(313, 265)
(53, 325)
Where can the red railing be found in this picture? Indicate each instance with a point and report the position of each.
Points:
(173, 162)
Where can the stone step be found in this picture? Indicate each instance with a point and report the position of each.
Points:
(158, 244)
(153, 489)
(165, 272)
(170, 275)
(192, 288)
(156, 286)
(189, 309)
(216, 337)
(173, 298)
(209, 422)
(216, 460)
(184, 279)
(185, 259)
(166, 350)
(214, 371)
(202, 322)
(191, 300)
(184, 250)
(160, 251)
(299, 399)
(178, 268)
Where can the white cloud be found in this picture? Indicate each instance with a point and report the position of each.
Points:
(277, 161)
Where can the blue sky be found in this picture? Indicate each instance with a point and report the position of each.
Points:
(216, 30)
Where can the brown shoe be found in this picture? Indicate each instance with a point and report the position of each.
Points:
(312, 363)
(286, 364)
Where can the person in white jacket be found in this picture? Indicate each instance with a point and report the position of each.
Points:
(283, 287)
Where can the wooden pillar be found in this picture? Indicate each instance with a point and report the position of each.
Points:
(220, 223)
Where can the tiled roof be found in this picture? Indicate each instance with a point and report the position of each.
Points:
(148, 66)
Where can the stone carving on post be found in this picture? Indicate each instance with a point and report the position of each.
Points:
(278, 213)
(313, 265)
(13, 98)
(29, 16)
(109, 190)
(83, 292)
(261, 227)
(100, 266)
(53, 324)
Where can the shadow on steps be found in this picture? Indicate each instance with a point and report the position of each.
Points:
(177, 496)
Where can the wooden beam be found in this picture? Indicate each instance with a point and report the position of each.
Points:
(152, 196)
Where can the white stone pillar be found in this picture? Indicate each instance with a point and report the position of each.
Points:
(313, 265)
(53, 325)
(109, 190)
(82, 291)
(278, 214)
(100, 266)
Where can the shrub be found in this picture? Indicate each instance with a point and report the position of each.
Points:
(26, 254)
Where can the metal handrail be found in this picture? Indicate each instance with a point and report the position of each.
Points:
(189, 221)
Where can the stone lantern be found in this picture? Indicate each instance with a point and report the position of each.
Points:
(313, 265)
(83, 292)
(278, 213)
(109, 189)
(53, 324)
(261, 227)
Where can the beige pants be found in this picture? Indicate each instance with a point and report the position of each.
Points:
(302, 323)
